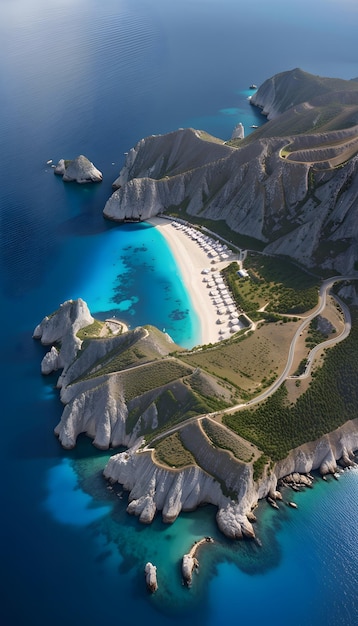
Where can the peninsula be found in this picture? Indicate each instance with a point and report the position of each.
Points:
(267, 398)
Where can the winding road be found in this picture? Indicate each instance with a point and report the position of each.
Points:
(324, 289)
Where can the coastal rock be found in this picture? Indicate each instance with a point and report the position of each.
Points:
(79, 170)
(50, 362)
(238, 132)
(155, 488)
(189, 563)
(322, 454)
(61, 328)
(95, 407)
(151, 577)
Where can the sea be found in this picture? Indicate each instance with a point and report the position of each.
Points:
(93, 77)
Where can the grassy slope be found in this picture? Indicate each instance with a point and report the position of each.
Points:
(331, 400)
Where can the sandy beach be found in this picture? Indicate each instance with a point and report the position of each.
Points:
(192, 259)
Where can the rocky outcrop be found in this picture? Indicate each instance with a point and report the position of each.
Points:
(238, 132)
(152, 487)
(189, 564)
(61, 328)
(151, 577)
(171, 154)
(322, 454)
(95, 407)
(51, 362)
(79, 170)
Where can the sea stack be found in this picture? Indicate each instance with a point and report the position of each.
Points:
(238, 132)
(79, 170)
(189, 563)
(150, 571)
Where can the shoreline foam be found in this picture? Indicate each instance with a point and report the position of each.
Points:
(192, 261)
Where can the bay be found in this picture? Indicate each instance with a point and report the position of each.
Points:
(83, 76)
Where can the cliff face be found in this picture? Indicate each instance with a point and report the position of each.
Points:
(288, 89)
(295, 209)
(62, 327)
(292, 184)
(322, 454)
(156, 488)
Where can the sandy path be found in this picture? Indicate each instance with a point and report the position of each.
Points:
(191, 260)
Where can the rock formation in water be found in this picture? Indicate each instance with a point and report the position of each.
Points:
(62, 328)
(151, 577)
(79, 170)
(292, 184)
(189, 564)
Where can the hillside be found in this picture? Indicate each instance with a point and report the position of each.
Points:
(292, 184)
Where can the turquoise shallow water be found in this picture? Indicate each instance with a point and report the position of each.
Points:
(94, 77)
(129, 272)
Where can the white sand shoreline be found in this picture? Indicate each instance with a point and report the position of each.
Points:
(192, 260)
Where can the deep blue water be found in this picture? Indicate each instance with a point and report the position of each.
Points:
(91, 77)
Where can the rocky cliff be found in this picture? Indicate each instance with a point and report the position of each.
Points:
(291, 184)
(79, 170)
(61, 328)
(288, 89)
(156, 488)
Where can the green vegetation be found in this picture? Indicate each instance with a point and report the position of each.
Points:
(330, 401)
(174, 403)
(222, 438)
(270, 283)
(314, 336)
(130, 350)
(91, 332)
(218, 227)
(301, 367)
(248, 362)
(259, 466)
(172, 452)
(209, 396)
(137, 381)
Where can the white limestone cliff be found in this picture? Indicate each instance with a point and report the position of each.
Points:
(95, 407)
(79, 170)
(51, 362)
(156, 488)
(61, 328)
(322, 454)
